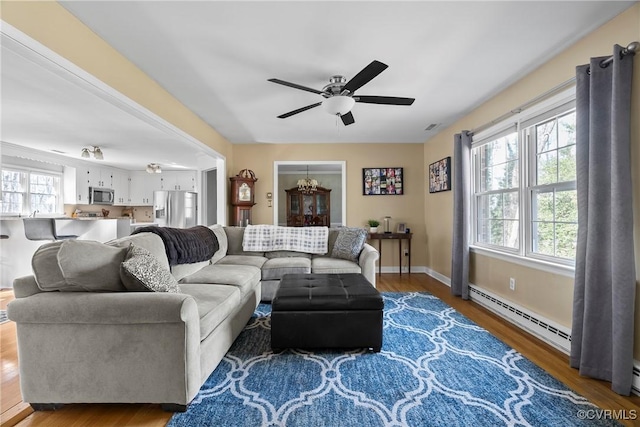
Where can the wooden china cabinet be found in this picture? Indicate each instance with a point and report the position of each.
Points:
(308, 209)
(242, 197)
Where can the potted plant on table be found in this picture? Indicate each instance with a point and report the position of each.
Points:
(373, 225)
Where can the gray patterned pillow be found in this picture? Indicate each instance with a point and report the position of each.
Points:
(349, 243)
(141, 271)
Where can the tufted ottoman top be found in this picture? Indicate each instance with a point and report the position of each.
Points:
(325, 292)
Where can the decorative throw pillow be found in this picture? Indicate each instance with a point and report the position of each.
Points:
(141, 271)
(349, 243)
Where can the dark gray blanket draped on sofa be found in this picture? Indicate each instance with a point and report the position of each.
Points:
(461, 214)
(605, 280)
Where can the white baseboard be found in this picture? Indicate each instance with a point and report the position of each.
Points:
(556, 335)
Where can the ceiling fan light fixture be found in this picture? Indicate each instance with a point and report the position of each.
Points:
(338, 105)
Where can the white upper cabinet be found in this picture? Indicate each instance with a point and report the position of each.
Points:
(100, 177)
(179, 180)
(141, 187)
(121, 188)
(76, 185)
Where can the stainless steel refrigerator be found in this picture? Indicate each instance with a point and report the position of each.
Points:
(177, 209)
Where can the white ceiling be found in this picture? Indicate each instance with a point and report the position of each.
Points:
(216, 57)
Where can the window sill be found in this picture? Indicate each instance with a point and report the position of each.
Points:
(549, 267)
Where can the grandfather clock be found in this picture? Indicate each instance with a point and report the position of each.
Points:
(242, 197)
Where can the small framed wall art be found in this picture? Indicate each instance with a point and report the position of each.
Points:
(440, 175)
(382, 181)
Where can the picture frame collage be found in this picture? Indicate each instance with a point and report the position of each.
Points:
(382, 181)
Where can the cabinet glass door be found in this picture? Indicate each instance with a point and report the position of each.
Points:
(321, 200)
(308, 204)
(294, 202)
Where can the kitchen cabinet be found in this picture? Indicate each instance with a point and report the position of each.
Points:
(308, 209)
(141, 187)
(121, 188)
(100, 177)
(178, 180)
(76, 185)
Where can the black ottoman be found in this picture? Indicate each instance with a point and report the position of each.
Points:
(326, 311)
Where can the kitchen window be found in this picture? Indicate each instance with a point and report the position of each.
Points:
(28, 191)
(524, 198)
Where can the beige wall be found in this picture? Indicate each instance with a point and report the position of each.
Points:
(407, 208)
(56, 28)
(548, 294)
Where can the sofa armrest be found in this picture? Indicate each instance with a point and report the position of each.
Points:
(109, 308)
(25, 286)
(103, 347)
(367, 262)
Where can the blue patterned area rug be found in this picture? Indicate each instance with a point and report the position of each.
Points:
(3, 316)
(436, 368)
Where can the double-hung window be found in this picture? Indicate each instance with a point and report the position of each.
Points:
(524, 200)
(25, 191)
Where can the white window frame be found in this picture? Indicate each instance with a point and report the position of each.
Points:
(523, 255)
(26, 202)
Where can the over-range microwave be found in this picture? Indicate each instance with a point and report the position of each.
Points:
(101, 196)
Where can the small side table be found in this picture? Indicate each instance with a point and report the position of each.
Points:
(393, 236)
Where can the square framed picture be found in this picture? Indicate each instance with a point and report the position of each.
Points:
(440, 175)
(382, 181)
(402, 228)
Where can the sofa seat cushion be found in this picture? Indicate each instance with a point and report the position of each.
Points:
(215, 303)
(275, 268)
(334, 266)
(253, 260)
(243, 277)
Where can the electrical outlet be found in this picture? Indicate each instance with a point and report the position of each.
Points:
(406, 252)
(512, 283)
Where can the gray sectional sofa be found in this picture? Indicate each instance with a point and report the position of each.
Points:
(85, 337)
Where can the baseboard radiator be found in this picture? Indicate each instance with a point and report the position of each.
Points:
(553, 334)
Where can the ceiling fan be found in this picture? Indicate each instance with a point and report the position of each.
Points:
(340, 95)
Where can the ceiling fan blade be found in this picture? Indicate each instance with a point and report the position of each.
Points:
(348, 119)
(388, 100)
(299, 110)
(365, 76)
(296, 86)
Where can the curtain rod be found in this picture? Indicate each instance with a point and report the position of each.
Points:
(631, 49)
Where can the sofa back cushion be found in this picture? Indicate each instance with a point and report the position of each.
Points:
(78, 266)
(183, 270)
(151, 242)
(223, 243)
(235, 235)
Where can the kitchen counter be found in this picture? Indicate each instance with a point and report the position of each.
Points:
(16, 250)
(60, 218)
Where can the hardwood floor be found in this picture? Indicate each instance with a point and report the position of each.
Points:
(116, 415)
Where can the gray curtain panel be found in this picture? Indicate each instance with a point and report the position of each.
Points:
(604, 293)
(461, 214)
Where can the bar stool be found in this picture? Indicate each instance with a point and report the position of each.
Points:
(43, 229)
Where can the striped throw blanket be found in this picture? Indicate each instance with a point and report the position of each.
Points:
(267, 238)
